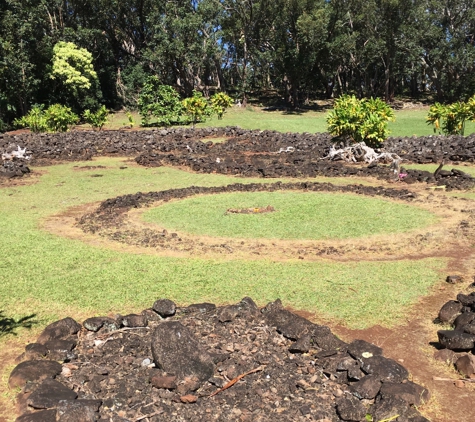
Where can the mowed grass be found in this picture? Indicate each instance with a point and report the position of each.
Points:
(298, 215)
(51, 277)
(407, 123)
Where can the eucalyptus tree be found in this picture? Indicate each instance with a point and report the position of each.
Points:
(300, 44)
(448, 43)
(247, 32)
(184, 47)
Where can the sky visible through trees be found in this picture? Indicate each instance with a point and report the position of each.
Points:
(298, 49)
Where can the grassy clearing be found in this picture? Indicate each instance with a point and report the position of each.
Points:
(408, 122)
(298, 216)
(52, 277)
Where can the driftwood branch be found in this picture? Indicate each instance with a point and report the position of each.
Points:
(235, 380)
(360, 152)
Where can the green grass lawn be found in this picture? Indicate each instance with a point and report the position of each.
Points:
(298, 215)
(51, 277)
(408, 122)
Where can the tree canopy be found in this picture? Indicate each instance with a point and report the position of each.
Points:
(299, 49)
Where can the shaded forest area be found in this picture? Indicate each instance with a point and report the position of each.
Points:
(295, 50)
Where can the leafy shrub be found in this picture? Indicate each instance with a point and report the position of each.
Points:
(451, 118)
(161, 102)
(196, 108)
(98, 119)
(220, 102)
(56, 118)
(130, 118)
(59, 118)
(364, 120)
(35, 120)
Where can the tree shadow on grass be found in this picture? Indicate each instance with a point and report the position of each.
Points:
(9, 325)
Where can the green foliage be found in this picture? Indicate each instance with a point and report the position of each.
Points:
(130, 118)
(56, 118)
(35, 120)
(364, 120)
(220, 102)
(73, 66)
(196, 108)
(98, 119)
(59, 118)
(451, 118)
(160, 102)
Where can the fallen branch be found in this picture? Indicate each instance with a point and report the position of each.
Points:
(452, 380)
(360, 152)
(235, 380)
(122, 330)
(148, 416)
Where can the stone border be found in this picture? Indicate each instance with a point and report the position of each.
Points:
(116, 219)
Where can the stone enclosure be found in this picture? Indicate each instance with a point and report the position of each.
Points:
(202, 362)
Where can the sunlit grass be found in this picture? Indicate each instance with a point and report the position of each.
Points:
(407, 123)
(309, 215)
(50, 276)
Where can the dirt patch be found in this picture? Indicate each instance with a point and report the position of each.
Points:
(411, 344)
(26, 180)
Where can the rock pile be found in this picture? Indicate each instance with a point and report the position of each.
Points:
(14, 162)
(458, 344)
(203, 362)
(251, 153)
(433, 148)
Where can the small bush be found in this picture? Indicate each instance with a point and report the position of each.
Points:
(56, 118)
(451, 118)
(98, 119)
(60, 118)
(196, 108)
(130, 118)
(364, 120)
(220, 102)
(161, 102)
(35, 120)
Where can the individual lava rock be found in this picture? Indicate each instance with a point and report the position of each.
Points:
(164, 307)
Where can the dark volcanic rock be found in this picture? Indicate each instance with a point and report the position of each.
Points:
(35, 351)
(197, 353)
(456, 340)
(384, 369)
(164, 307)
(177, 351)
(466, 300)
(454, 279)
(463, 319)
(366, 388)
(49, 393)
(360, 349)
(466, 365)
(351, 409)
(96, 323)
(201, 307)
(450, 311)
(41, 416)
(411, 393)
(288, 324)
(59, 330)
(78, 410)
(33, 370)
(388, 408)
(134, 321)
